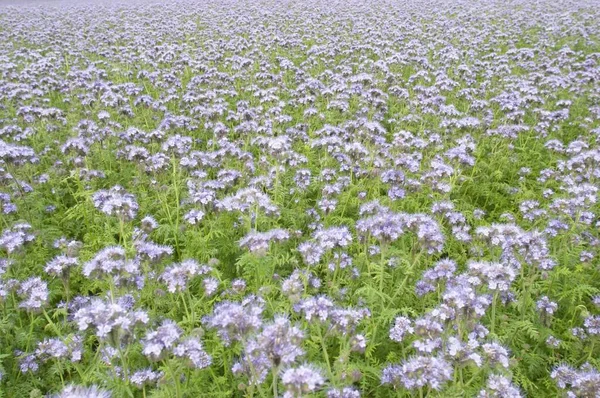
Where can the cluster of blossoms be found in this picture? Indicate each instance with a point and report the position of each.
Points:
(113, 321)
(15, 237)
(324, 240)
(418, 372)
(70, 349)
(298, 283)
(73, 391)
(301, 381)
(518, 246)
(177, 276)
(34, 292)
(168, 339)
(460, 139)
(258, 242)
(146, 377)
(499, 386)
(582, 382)
(276, 345)
(339, 321)
(387, 227)
(235, 321)
(110, 262)
(248, 200)
(61, 264)
(464, 302)
(116, 202)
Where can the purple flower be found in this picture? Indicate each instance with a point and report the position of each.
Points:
(311, 252)
(302, 179)
(499, 386)
(194, 216)
(358, 343)
(116, 202)
(210, 285)
(553, 342)
(384, 226)
(301, 380)
(293, 286)
(34, 292)
(319, 307)
(73, 391)
(429, 332)
(28, 363)
(334, 237)
(110, 261)
(248, 200)
(461, 294)
(238, 285)
(15, 237)
(234, 321)
(461, 353)
(345, 392)
(443, 269)
(177, 275)
(16, 154)
(497, 275)
(387, 227)
(148, 224)
(145, 377)
(55, 348)
(546, 306)
(158, 342)
(60, 265)
(193, 351)
(258, 242)
(277, 344)
(152, 252)
(418, 372)
(402, 326)
(114, 321)
(495, 354)
(583, 382)
(592, 324)
(346, 320)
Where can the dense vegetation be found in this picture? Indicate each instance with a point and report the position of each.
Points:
(300, 198)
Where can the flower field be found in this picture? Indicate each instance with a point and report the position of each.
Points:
(314, 198)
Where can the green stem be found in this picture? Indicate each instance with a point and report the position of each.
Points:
(122, 232)
(123, 359)
(494, 301)
(325, 354)
(30, 331)
(51, 323)
(175, 380)
(591, 350)
(177, 204)
(470, 380)
(65, 282)
(187, 313)
(275, 381)
(16, 309)
(60, 374)
(382, 265)
(191, 306)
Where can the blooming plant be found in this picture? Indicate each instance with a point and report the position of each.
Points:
(342, 199)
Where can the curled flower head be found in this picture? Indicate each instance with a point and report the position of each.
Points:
(116, 202)
(301, 380)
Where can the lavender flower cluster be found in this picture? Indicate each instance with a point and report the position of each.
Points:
(312, 198)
